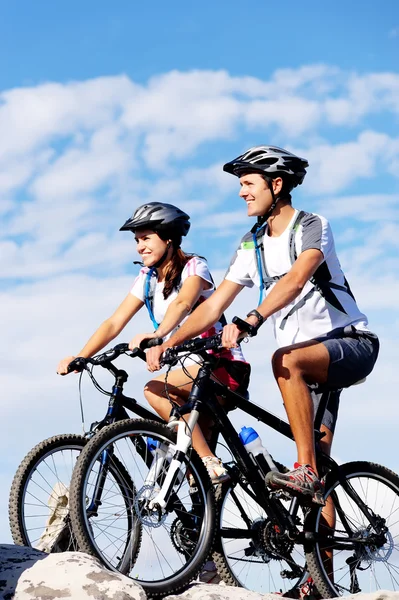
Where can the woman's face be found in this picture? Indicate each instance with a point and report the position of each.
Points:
(150, 246)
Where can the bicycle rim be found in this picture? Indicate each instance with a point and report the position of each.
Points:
(373, 563)
(248, 551)
(174, 541)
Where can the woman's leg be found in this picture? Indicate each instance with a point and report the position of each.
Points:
(179, 387)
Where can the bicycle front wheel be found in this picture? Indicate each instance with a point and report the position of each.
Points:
(39, 496)
(353, 552)
(176, 537)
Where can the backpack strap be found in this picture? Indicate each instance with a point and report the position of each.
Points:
(265, 280)
(257, 235)
(291, 239)
(149, 291)
(320, 279)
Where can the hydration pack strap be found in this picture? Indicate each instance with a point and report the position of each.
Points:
(149, 291)
(257, 235)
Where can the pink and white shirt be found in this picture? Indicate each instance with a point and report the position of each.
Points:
(195, 266)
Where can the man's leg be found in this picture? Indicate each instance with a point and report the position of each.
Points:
(294, 367)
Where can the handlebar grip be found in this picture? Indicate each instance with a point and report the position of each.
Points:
(77, 364)
(144, 345)
(138, 352)
(150, 343)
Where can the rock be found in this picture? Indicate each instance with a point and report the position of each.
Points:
(207, 591)
(203, 591)
(27, 574)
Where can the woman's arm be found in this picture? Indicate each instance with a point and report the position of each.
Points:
(107, 331)
(182, 305)
(177, 310)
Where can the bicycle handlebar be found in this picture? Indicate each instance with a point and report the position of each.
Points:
(197, 345)
(79, 363)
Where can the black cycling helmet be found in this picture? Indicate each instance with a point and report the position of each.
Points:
(159, 217)
(271, 162)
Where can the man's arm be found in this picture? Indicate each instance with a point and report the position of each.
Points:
(291, 285)
(284, 292)
(206, 314)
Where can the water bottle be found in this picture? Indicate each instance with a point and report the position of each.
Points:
(253, 444)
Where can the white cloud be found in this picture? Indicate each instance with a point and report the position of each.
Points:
(83, 170)
(363, 207)
(365, 94)
(52, 110)
(336, 166)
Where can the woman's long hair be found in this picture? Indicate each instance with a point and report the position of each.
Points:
(178, 261)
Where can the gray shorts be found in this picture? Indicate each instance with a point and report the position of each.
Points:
(352, 358)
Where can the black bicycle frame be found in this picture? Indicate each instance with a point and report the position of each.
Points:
(117, 404)
(205, 391)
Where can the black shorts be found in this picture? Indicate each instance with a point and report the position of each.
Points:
(352, 358)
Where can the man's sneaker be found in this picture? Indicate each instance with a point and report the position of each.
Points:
(308, 590)
(301, 480)
(304, 591)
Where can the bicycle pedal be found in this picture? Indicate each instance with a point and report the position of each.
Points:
(318, 499)
(281, 495)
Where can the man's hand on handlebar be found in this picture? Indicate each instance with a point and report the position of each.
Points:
(239, 329)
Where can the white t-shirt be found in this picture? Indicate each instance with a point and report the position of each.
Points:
(195, 266)
(321, 313)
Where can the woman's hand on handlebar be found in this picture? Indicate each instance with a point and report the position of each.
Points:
(153, 356)
(136, 341)
(63, 365)
(230, 335)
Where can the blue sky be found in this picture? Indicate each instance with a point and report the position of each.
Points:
(104, 106)
(74, 40)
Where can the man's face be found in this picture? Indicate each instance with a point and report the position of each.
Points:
(256, 193)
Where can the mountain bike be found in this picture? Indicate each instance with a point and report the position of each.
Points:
(39, 496)
(350, 545)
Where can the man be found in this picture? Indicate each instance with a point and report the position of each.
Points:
(321, 334)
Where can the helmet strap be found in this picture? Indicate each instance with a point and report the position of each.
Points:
(262, 219)
(163, 257)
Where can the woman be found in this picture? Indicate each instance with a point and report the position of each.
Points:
(170, 284)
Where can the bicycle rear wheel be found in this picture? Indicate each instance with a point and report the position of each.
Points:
(248, 552)
(176, 539)
(365, 556)
(39, 496)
